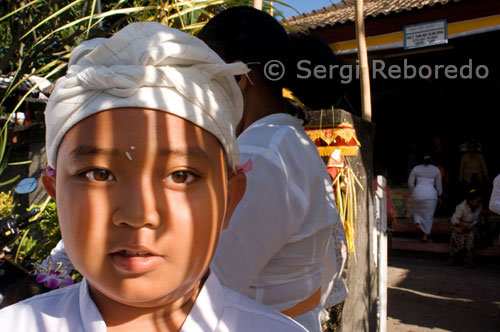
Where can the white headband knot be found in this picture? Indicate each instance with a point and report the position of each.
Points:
(152, 66)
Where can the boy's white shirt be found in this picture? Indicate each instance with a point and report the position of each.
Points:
(463, 213)
(249, 255)
(217, 309)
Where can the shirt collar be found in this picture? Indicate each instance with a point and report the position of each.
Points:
(91, 317)
(203, 317)
(207, 309)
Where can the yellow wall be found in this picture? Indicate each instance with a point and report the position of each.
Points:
(453, 28)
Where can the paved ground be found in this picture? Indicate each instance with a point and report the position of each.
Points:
(425, 294)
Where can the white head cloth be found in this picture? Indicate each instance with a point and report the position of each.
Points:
(152, 66)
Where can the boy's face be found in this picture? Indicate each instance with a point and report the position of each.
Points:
(142, 197)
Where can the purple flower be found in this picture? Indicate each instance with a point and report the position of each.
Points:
(53, 275)
(54, 279)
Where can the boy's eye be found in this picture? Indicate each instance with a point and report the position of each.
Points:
(181, 177)
(98, 175)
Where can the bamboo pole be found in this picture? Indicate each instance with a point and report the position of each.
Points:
(257, 4)
(98, 12)
(363, 62)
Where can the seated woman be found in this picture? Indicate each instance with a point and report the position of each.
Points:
(463, 232)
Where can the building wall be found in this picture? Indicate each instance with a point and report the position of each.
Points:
(383, 24)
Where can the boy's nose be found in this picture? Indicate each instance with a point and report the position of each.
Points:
(138, 208)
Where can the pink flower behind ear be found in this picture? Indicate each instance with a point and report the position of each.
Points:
(49, 171)
(245, 168)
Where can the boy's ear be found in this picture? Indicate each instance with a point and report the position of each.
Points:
(237, 185)
(242, 80)
(49, 183)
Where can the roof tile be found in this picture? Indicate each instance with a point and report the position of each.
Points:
(343, 12)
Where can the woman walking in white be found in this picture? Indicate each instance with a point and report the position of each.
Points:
(426, 188)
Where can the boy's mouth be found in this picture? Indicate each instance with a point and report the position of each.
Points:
(135, 260)
(127, 253)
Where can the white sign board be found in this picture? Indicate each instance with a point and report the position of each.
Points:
(425, 34)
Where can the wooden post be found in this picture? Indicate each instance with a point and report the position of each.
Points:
(363, 62)
(257, 4)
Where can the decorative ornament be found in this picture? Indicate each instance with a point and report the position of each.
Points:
(341, 137)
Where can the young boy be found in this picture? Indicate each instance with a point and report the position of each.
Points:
(140, 133)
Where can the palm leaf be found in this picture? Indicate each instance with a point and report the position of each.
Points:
(56, 14)
(19, 9)
(101, 15)
(3, 145)
(17, 163)
(14, 179)
(34, 87)
(92, 9)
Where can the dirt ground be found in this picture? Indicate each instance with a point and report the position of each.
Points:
(425, 294)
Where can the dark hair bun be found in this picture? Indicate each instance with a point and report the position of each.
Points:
(307, 53)
(255, 37)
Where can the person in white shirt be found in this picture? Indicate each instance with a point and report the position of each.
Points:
(495, 196)
(285, 244)
(141, 140)
(425, 185)
(463, 220)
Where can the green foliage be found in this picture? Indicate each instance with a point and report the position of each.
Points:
(40, 237)
(6, 204)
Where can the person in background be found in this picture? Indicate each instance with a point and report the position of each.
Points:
(440, 159)
(390, 208)
(285, 244)
(426, 188)
(473, 169)
(488, 228)
(463, 229)
(495, 196)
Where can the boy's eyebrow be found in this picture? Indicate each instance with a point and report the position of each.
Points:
(84, 150)
(195, 152)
